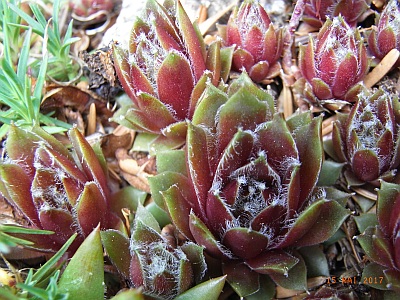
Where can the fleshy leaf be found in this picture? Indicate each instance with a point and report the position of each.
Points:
(241, 278)
(90, 163)
(205, 238)
(306, 60)
(58, 220)
(175, 84)
(315, 260)
(117, 247)
(131, 294)
(321, 89)
(330, 173)
(272, 262)
(210, 102)
(91, 208)
(376, 246)
(163, 181)
(213, 61)
(375, 272)
(309, 144)
(85, 269)
(245, 243)
(243, 110)
(316, 224)
(295, 278)
(365, 165)
(345, 75)
(388, 207)
(178, 209)
(197, 159)
(15, 186)
(242, 59)
(195, 45)
(210, 289)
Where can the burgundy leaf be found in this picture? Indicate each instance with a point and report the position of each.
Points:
(245, 243)
(365, 165)
(175, 84)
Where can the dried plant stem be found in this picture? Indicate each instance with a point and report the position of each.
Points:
(288, 38)
(367, 194)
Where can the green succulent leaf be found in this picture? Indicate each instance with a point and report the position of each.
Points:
(267, 289)
(330, 173)
(366, 220)
(374, 276)
(242, 110)
(85, 269)
(117, 247)
(295, 278)
(163, 181)
(315, 260)
(393, 280)
(132, 294)
(210, 289)
(273, 262)
(195, 254)
(147, 219)
(208, 106)
(388, 208)
(241, 278)
(377, 246)
(171, 160)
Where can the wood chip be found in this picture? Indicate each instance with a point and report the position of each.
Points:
(382, 68)
(207, 24)
(91, 126)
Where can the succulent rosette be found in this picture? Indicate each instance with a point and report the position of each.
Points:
(385, 36)
(258, 45)
(154, 259)
(367, 138)
(247, 193)
(334, 64)
(54, 189)
(381, 242)
(164, 71)
(86, 8)
(317, 11)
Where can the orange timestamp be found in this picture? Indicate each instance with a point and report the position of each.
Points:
(355, 280)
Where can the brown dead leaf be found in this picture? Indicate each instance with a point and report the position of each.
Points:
(110, 143)
(76, 98)
(132, 171)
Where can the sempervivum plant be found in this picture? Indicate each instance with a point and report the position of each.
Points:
(385, 36)
(163, 71)
(316, 11)
(247, 191)
(85, 8)
(258, 45)
(155, 259)
(381, 242)
(334, 63)
(54, 189)
(367, 138)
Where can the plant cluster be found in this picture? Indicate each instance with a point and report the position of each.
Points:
(247, 200)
